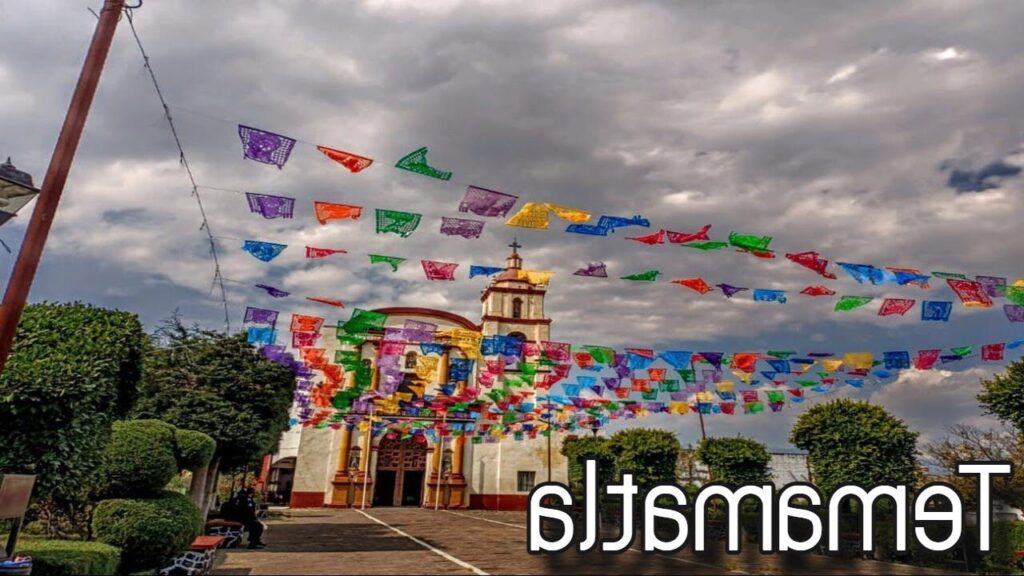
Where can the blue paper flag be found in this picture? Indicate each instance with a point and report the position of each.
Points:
(764, 295)
(265, 251)
(475, 271)
(936, 311)
(897, 360)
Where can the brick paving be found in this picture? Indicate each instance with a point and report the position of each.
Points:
(348, 542)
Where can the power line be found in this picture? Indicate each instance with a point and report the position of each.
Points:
(218, 279)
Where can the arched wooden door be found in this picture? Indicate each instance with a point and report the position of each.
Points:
(401, 466)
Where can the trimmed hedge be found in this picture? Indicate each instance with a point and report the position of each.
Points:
(735, 461)
(194, 449)
(140, 458)
(64, 557)
(148, 531)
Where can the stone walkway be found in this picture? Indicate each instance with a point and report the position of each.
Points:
(416, 541)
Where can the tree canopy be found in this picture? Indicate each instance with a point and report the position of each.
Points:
(220, 385)
(578, 449)
(649, 454)
(1003, 395)
(735, 461)
(73, 370)
(965, 443)
(855, 442)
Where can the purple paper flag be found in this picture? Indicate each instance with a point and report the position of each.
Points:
(594, 270)
(461, 227)
(270, 207)
(729, 290)
(1014, 312)
(484, 202)
(265, 147)
(995, 287)
(260, 316)
(273, 292)
(713, 358)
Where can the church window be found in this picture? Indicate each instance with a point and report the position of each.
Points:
(517, 307)
(410, 361)
(525, 481)
(517, 335)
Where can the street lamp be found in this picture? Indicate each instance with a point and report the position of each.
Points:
(16, 190)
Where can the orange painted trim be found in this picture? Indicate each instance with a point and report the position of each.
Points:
(307, 500)
(499, 290)
(430, 313)
(510, 502)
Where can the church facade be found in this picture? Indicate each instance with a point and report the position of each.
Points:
(348, 467)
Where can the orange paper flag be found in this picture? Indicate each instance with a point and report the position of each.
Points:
(354, 162)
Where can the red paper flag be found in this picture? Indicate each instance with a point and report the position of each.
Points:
(744, 361)
(818, 291)
(656, 374)
(926, 359)
(439, 270)
(970, 292)
(684, 237)
(328, 211)
(696, 284)
(354, 162)
(328, 301)
(304, 339)
(313, 253)
(763, 254)
(812, 261)
(895, 306)
(644, 352)
(651, 239)
(728, 408)
(992, 352)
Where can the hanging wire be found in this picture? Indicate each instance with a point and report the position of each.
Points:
(218, 278)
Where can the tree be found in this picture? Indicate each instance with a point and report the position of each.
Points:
(855, 442)
(649, 455)
(220, 385)
(1003, 395)
(73, 370)
(965, 443)
(577, 450)
(735, 461)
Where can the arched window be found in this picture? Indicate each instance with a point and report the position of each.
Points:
(518, 335)
(517, 307)
(410, 361)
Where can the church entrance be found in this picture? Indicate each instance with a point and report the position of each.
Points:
(401, 468)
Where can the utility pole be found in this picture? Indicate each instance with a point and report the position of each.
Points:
(56, 176)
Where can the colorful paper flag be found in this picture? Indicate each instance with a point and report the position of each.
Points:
(273, 292)
(593, 270)
(326, 211)
(812, 261)
(328, 301)
(650, 239)
(730, 290)
(475, 271)
(439, 270)
(818, 291)
(313, 253)
(705, 246)
(270, 206)
(993, 352)
(353, 162)
(393, 261)
(530, 215)
(1014, 312)
(971, 293)
(895, 306)
(909, 277)
(684, 237)
(265, 147)
(750, 242)
(260, 316)
(484, 202)
(995, 286)
(467, 229)
(393, 221)
(535, 277)
(864, 272)
(847, 303)
(648, 276)
(765, 295)
(935, 311)
(417, 162)
(573, 215)
(265, 251)
(697, 284)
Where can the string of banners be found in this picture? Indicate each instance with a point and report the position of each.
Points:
(500, 386)
(275, 149)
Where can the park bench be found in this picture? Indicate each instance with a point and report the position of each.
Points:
(231, 531)
(197, 560)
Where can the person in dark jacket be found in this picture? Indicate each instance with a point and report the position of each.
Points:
(242, 508)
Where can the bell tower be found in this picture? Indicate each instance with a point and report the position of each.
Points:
(512, 304)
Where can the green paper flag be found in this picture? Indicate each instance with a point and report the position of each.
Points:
(348, 359)
(649, 276)
(705, 245)
(601, 354)
(393, 261)
(1015, 294)
(945, 275)
(650, 394)
(350, 339)
(750, 242)
(669, 385)
(847, 303)
(754, 407)
(417, 162)
(781, 354)
(962, 350)
(362, 321)
(401, 223)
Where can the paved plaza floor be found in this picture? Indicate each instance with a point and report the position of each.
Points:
(415, 541)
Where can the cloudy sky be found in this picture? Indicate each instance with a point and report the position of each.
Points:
(872, 132)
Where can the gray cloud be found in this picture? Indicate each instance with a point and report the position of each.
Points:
(820, 125)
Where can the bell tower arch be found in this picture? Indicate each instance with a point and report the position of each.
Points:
(512, 303)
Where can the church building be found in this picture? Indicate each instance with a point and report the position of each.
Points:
(347, 467)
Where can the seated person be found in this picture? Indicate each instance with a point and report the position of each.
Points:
(242, 508)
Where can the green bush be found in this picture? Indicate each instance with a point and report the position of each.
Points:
(73, 370)
(577, 450)
(1005, 538)
(149, 531)
(650, 455)
(140, 458)
(194, 449)
(64, 557)
(735, 461)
